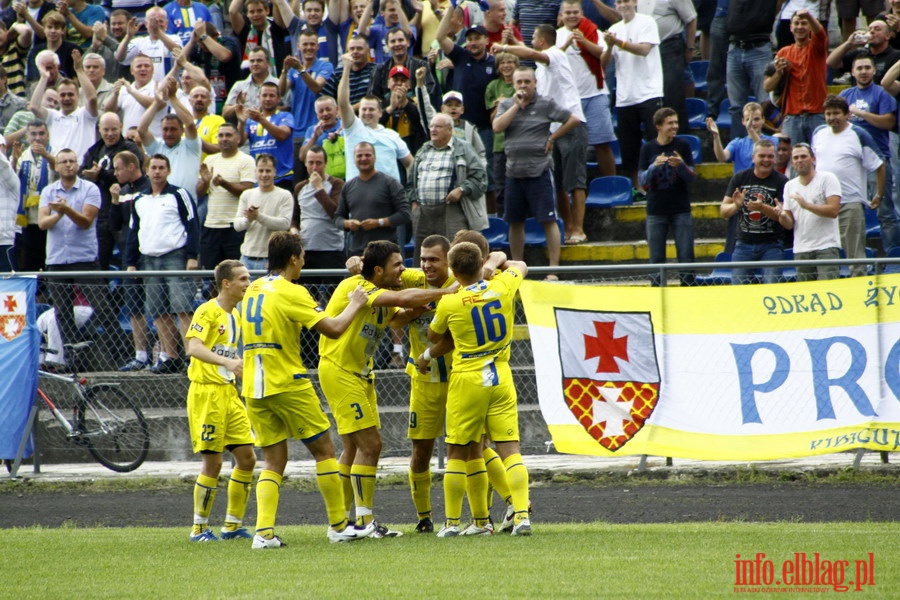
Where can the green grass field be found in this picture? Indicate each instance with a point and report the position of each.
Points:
(597, 560)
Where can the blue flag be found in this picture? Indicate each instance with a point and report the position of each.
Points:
(19, 347)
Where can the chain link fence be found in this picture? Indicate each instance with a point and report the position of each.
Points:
(116, 329)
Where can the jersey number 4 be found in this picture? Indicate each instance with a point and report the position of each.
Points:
(253, 314)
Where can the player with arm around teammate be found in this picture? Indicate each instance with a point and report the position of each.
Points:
(281, 400)
(346, 369)
(481, 395)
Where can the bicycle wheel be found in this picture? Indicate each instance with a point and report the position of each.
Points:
(113, 428)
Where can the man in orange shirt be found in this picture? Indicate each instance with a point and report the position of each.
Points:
(801, 69)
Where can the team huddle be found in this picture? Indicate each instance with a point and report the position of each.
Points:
(459, 308)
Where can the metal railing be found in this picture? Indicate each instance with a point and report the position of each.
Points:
(162, 397)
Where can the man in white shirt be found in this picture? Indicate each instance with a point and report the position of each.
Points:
(137, 97)
(851, 154)
(163, 237)
(633, 43)
(812, 201)
(224, 176)
(156, 44)
(583, 44)
(72, 126)
(261, 212)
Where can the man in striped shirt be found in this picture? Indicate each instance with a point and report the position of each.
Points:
(361, 71)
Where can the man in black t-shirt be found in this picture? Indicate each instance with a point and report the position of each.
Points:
(666, 168)
(874, 42)
(758, 237)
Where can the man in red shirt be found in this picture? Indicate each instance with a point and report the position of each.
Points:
(499, 31)
(801, 68)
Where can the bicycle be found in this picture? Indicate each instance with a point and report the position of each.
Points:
(105, 421)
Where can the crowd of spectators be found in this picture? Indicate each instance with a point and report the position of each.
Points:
(356, 120)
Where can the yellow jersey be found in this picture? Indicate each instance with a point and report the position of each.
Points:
(355, 349)
(273, 311)
(218, 330)
(208, 131)
(439, 370)
(480, 318)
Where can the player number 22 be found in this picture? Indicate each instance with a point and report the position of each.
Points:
(489, 323)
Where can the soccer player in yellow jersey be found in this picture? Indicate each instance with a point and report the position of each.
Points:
(281, 401)
(428, 390)
(479, 318)
(346, 369)
(216, 416)
(482, 456)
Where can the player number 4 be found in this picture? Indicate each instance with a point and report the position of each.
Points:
(253, 313)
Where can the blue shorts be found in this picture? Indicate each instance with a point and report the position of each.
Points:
(529, 197)
(599, 119)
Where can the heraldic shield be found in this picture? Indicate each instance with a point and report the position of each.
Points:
(13, 309)
(610, 373)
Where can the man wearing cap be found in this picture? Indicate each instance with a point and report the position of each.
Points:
(401, 114)
(399, 41)
(473, 69)
(389, 147)
(446, 185)
(454, 107)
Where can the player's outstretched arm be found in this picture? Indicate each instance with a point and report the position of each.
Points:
(402, 318)
(333, 327)
(412, 298)
(520, 266)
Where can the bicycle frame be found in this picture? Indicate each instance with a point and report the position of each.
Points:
(78, 383)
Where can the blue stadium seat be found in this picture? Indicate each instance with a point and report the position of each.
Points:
(606, 192)
(696, 112)
(719, 275)
(699, 69)
(724, 118)
(694, 142)
(534, 233)
(893, 253)
(497, 234)
(617, 152)
(873, 227)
